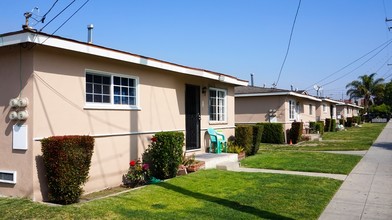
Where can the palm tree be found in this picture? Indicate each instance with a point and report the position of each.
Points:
(367, 87)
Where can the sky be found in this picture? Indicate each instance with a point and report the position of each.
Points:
(234, 37)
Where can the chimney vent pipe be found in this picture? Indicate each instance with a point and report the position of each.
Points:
(90, 28)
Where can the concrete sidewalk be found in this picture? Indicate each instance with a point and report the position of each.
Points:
(367, 191)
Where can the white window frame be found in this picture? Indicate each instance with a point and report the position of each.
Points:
(292, 109)
(324, 108)
(224, 112)
(13, 173)
(310, 109)
(111, 105)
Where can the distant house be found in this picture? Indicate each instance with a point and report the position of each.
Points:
(327, 109)
(121, 99)
(258, 104)
(347, 109)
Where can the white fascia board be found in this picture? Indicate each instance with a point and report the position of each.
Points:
(279, 94)
(112, 54)
(331, 101)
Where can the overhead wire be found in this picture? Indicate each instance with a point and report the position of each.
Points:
(58, 14)
(358, 66)
(50, 9)
(289, 44)
(66, 20)
(351, 63)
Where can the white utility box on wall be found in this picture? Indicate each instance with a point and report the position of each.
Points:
(19, 137)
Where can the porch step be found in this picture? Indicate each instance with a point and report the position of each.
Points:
(212, 160)
(228, 165)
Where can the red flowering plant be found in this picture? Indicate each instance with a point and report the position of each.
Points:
(138, 174)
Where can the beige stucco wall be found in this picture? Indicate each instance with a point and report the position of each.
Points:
(255, 109)
(15, 81)
(56, 91)
(322, 115)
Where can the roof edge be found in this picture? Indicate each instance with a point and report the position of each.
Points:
(29, 36)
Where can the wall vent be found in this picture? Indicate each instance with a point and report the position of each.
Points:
(7, 176)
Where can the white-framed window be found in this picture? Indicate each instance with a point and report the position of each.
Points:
(217, 105)
(107, 90)
(292, 108)
(310, 109)
(324, 108)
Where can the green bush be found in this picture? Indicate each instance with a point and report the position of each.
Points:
(164, 154)
(349, 122)
(296, 132)
(327, 126)
(67, 161)
(357, 119)
(257, 134)
(320, 127)
(244, 138)
(333, 125)
(273, 133)
(312, 126)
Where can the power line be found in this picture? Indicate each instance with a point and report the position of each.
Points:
(356, 60)
(358, 66)
(289, 44)
(58, 15)
(50, 9)
(66, 20)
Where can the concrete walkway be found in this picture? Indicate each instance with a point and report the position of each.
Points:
(367, 191)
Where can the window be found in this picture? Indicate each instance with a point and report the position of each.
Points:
(310, 109)
(217, 104)
(292, 107)
(7, 176)
(324, 108)
(105, 90)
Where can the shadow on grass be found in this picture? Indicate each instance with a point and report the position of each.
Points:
(224, 202)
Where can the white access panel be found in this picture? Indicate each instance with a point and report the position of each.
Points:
(19, 137)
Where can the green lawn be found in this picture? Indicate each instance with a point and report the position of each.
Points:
(302, 161)
(210, 194)
(355, 138)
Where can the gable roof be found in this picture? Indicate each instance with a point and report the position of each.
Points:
(29, 36)
(252, 91)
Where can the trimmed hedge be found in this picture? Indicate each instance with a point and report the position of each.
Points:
(164, 154)
(328, 125)
(296, 132)
(244, 138)
(349, 122)
(320, 127)
(273, 133)
(333, 125)
(257, 134)
(67, 161)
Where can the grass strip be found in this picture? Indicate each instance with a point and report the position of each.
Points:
(209, 194)
(302, 161)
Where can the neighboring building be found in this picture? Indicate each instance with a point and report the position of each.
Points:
(326, 109)
(257, 104)
(347, 109)
(121, 99)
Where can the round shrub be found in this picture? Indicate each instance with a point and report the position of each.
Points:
(164, 154)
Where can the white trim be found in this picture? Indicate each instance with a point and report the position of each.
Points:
(279, 94)
(95, 50)
(225, 105)
(8, 172)
(111, 105)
